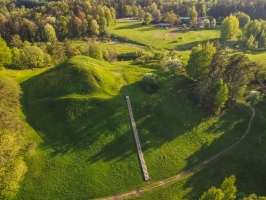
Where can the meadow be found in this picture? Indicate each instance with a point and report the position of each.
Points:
(78, 117)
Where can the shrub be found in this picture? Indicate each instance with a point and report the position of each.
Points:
(150, 83)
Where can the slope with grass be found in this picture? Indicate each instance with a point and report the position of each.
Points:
(87, 148)
(246, 162)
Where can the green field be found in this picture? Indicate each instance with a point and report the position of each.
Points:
(86, 139)
(157, 38)
(77, 115)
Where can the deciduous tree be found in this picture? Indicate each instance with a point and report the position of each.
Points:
(50, 33)
(5, 53)
(229, 27)
(147, 18)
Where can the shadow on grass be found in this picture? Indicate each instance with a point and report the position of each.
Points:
(101, 125)
(188, 46)
(129, 26)
(245, 161)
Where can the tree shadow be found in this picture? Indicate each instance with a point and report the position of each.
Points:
(190, 45)
(76, 124)
(129, 26)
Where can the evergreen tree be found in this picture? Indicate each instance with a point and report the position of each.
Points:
(219, 95)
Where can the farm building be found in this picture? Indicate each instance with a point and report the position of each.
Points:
(185, 20)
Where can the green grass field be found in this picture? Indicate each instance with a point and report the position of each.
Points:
(158, 38)
(77, 114)
(86, 147)
(246, 162)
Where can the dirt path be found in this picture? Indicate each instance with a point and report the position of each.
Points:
(190, 171)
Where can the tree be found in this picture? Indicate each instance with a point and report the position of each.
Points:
(102, 24)
(174, 65)
(194, 18)
(12, 166)
(94, 27)
(75, 27)
(198, 66)
(212, 194)
(206, 23)
(50, 33)
(147, 18)
(171, 18)
(229, 188)
(242, 17)
(61, 27)
(57, 51)
(35, 57)
(150, 83)
(5, 53)
(219, 95)
(16, 59)
(250, 42)
(108, 16)
(156, 15)
(135, 11)
(127, 11)
(262, 39)
(113, 13)
(229, 27)
(237, 74)
(253, 27)
(95, 51)
(141, 15)
(218, 65)
(16, 41)
(254, 197)
(162, 60)
(213, 23)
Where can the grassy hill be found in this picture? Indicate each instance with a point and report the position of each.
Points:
(86, 147)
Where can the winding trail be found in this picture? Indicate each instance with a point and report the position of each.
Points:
(184, 174)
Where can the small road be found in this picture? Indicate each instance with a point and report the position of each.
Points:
(184, 174)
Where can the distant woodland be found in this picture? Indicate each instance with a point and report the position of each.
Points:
(49, 20)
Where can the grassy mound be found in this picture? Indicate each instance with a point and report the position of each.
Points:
(79, 75)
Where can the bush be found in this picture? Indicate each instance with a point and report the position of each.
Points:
(129, 55)
(150, 83)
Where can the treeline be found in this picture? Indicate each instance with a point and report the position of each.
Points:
(55, 21)
(59, 20)
(255, 34)
(12, 144)
(25, 55)
(83, 18)
(221, 78)
(254, 8)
